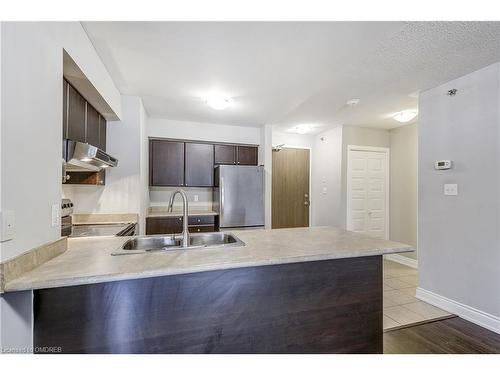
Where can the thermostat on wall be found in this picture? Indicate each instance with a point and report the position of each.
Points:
(442, 164)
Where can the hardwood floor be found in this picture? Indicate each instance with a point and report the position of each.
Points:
(449, 336)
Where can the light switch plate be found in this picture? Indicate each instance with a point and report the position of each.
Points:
(56, 215)
(450, 189)
(7, 221)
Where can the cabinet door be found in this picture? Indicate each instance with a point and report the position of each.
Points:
(65, 109)
(93, 130)
(225, 154)
(247, 155)
(199, 167)
(163, 225)
(102, 133)
(166, 163)
(76, 116)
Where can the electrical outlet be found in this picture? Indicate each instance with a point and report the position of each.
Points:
(56, 215)
(450, 189)
(7, 221)
(196, 197)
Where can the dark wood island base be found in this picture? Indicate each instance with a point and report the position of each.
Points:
(329, 306)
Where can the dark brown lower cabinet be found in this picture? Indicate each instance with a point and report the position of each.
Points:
(173, 225)
(163, 225)
(201, 228)
(331, 306)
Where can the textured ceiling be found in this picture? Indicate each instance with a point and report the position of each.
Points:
(289, 73)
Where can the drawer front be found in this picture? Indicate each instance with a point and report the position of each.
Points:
(201, 228)
(201, 220)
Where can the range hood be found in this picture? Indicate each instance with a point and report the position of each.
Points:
(83, 157)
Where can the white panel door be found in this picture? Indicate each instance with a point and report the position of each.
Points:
(366, 195)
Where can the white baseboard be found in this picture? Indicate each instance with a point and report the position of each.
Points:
(413, 263)
(471, 314)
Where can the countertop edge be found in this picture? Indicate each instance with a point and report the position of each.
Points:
(14, 286)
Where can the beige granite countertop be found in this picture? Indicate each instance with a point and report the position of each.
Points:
(81, 219)
(88, 259)
(163, 212)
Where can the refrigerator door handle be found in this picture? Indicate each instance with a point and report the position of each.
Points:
(221, 198)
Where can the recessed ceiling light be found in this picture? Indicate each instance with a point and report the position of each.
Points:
(405, 116)
(217, 101)
(303, 128)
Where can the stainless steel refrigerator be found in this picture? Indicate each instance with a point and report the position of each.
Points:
(239, 196)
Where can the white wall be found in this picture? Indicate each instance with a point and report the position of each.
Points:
(31, 143)
(293, 140)
(126, 188)
(266, 158)
(403, 186)
(458, 236)
(326, 174)
(164, 128)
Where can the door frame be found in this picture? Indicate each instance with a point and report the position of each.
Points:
(310, 178)
(387, 153)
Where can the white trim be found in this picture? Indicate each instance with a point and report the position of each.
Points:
(387, 182)
(469, 313)
(310, 179)
(410, 262)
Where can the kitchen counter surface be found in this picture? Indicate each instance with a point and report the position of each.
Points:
(88, 260)
(163, 212)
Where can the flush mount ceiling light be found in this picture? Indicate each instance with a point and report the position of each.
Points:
(217, 101)
(303, 128)
(405, 116)
(352, 102)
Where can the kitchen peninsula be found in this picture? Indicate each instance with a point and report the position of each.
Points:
(301, 290)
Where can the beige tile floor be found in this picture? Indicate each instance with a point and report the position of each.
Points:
(400, 305)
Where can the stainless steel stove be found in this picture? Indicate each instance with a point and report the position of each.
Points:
(89, 230)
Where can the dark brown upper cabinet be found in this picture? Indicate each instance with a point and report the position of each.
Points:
(65, 109)
(76, 116)
(247, 155)
(199, 164)
(236, 154)
(225, 154)
(102, 133)
(81, 121)
(166, 163)
(92, 134)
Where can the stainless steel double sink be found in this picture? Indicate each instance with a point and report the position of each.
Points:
(144, 244)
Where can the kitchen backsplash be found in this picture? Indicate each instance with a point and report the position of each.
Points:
(199, 198)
